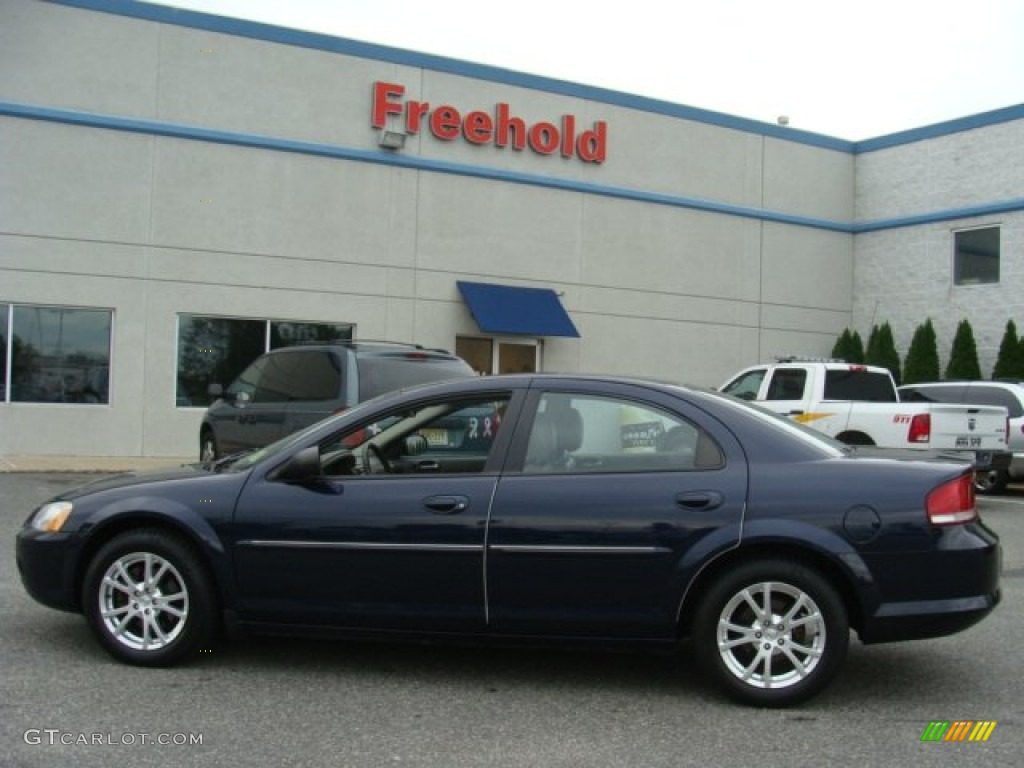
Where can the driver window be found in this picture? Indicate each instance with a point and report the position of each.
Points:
(746, 386)
(446, 437)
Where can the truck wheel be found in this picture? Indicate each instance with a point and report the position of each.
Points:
(855, 438)
(991, 482)
(771, 633)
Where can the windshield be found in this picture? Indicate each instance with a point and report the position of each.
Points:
(248, 460)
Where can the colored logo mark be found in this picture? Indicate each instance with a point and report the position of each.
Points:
(958, 730)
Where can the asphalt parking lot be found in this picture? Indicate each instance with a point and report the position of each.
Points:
(271, 702)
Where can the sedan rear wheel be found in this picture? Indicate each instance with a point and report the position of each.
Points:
(148, 599)
(771, 633)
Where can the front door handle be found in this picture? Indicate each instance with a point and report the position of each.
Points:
(700, 499)
(446, 505)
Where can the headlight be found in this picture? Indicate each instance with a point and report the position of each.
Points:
(51, 517)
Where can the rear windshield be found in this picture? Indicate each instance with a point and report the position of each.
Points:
(859, 385)
(378, 375)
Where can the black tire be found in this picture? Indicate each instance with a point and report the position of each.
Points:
(149, 600)
(992, 482)
(855, 438)
(208, 449)
(796, 594)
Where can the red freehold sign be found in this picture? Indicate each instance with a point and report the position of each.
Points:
(500, 127)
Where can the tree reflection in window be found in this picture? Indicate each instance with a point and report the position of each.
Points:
(60, 355)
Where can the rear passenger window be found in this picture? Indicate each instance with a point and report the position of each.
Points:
(386, 373)
(581, 433)
(787, 384)
(299, 376)
(859, 384)
(953, 393)
(978, 395)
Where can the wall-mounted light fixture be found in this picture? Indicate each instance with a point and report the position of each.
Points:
(391, 139)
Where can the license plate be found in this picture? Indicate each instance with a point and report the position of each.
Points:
(963, 441)
(435, 437)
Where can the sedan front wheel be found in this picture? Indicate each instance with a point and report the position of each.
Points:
(771, 633)
(148, 599)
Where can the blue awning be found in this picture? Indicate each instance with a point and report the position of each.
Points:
(513, 310)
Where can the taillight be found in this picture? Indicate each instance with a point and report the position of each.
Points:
(952, 503)
(920, 428)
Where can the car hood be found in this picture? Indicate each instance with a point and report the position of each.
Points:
(129, 479)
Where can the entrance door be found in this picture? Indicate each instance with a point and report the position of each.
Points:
(489, 356)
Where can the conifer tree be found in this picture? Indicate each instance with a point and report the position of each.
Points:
(888, 357)
(1010, 361)
(963, 357)
(856, 351)
(922, 361)
(871, 353)
(842, 346)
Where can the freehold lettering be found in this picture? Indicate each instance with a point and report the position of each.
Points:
(501, 127)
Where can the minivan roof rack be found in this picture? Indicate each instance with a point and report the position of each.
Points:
(352, 342)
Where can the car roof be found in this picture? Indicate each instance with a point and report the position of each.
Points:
(966, 382)
(531, 380)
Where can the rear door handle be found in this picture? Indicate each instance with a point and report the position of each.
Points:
(446, 505)
(700, 499)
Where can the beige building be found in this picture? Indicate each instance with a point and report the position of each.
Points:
(182, 191)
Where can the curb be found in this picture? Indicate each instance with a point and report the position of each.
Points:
(88, 464)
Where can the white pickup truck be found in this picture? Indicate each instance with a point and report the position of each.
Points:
(859, 405)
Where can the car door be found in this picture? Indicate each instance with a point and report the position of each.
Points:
(252, 413)
(784, 393)
(612, 501)
(379, 541)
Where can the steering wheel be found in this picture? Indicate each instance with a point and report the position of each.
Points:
(374, 450)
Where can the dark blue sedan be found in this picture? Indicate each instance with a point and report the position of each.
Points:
(570, 508)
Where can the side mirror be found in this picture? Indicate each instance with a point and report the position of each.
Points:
(215, 390)
(415, 445)
(302, 467)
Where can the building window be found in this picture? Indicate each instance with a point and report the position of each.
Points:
(5, 351)
(215, 350)
(976, 256)
(54, 354)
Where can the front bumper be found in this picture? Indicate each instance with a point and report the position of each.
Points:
(46, 566)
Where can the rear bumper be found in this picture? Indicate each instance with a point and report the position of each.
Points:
(992, 461)
(939, 592)
(1017, 466)
(927, 618)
